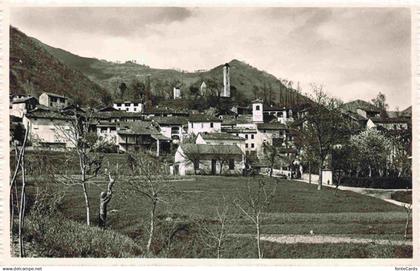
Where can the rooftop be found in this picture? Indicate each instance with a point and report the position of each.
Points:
(271, 126)
(211, 149)
(203, 118)
(174, 120)
(220, 136)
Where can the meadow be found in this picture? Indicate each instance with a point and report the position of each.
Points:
(297, 208)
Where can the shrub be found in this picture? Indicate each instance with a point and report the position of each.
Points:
(378, 182)
(61, 237)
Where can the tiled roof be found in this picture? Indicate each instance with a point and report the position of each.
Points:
(175, 120)
(47, 114)
(360, 104)
(238, 130)
(203, 118)
(241, 119)
(389, 120)
(23, 100)
(271, 126)
(220, 136)
(211, 149)
(54, 95)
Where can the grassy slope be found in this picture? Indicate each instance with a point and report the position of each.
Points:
(33, 70)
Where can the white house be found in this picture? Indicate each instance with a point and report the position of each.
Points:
(107, 131)
(177, 92)
(49, 129)
(53, 100)
(129, 106)
(200, 123)
(172, 127)
(191, 159)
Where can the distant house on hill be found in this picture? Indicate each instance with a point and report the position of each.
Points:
(191, 159)
(54, 100)
(135, 106)
(363, 108)
(201, 123)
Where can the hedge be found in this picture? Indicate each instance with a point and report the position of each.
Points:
(378, 182)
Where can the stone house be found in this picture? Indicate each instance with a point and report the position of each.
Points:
(54, 100)
(191, 159)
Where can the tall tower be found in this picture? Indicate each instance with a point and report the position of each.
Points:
(257, 111)
(226, 81)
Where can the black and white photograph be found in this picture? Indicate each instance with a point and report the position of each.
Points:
(200, 132)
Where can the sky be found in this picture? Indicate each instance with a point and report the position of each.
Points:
(355, 53)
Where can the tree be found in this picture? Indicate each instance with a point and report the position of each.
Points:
(324, 127)
(105, 198)
(215, 235)
(272, 154)
(255, 202)
(85, 144)
(138, 91)
(122, 88)
(380, 102)
(150, 184)
(20, 203)
(374, 149)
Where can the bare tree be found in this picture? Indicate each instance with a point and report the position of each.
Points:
(105, 198)
(255, 201)
(75, 130)
(215, 235)
(150, 184)
(20, 203)
(408, 210)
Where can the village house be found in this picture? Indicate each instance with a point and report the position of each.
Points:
(164, 112)
(172, 127)
(19, 106)
(191, 159)
(129, 106)
(201, 123)
(141, 135)
(107, 131)
(48, 128)
(53, 100)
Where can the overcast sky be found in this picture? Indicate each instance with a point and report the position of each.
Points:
(355, 53)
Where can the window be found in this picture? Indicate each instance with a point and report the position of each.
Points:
(252, 145)
(252, 136)
(135, 109)
(196, 164)
(211, 124)
(127, 104)
(246, 145)
(231, 164)
(202, 125)
(246, 136)
(257, 107)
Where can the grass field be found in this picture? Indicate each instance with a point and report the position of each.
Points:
(297, 208)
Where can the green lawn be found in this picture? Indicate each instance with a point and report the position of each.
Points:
(297, 208)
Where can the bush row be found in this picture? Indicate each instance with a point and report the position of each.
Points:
(378, 182)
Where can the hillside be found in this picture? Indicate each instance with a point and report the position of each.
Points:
(245, 78)
(34, 70)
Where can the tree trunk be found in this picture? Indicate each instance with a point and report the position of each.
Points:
(370, 171)
(310, 173)
(152, 225)
(257, 225)
(22, 209)
(86, 203)
(320, 178)
(407, 223)
(105, 198)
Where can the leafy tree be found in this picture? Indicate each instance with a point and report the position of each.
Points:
(374, 149)
(323, 126)
(122, 88)
(138, 90)
(380, 102)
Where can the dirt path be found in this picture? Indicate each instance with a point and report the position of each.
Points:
(323, 239)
